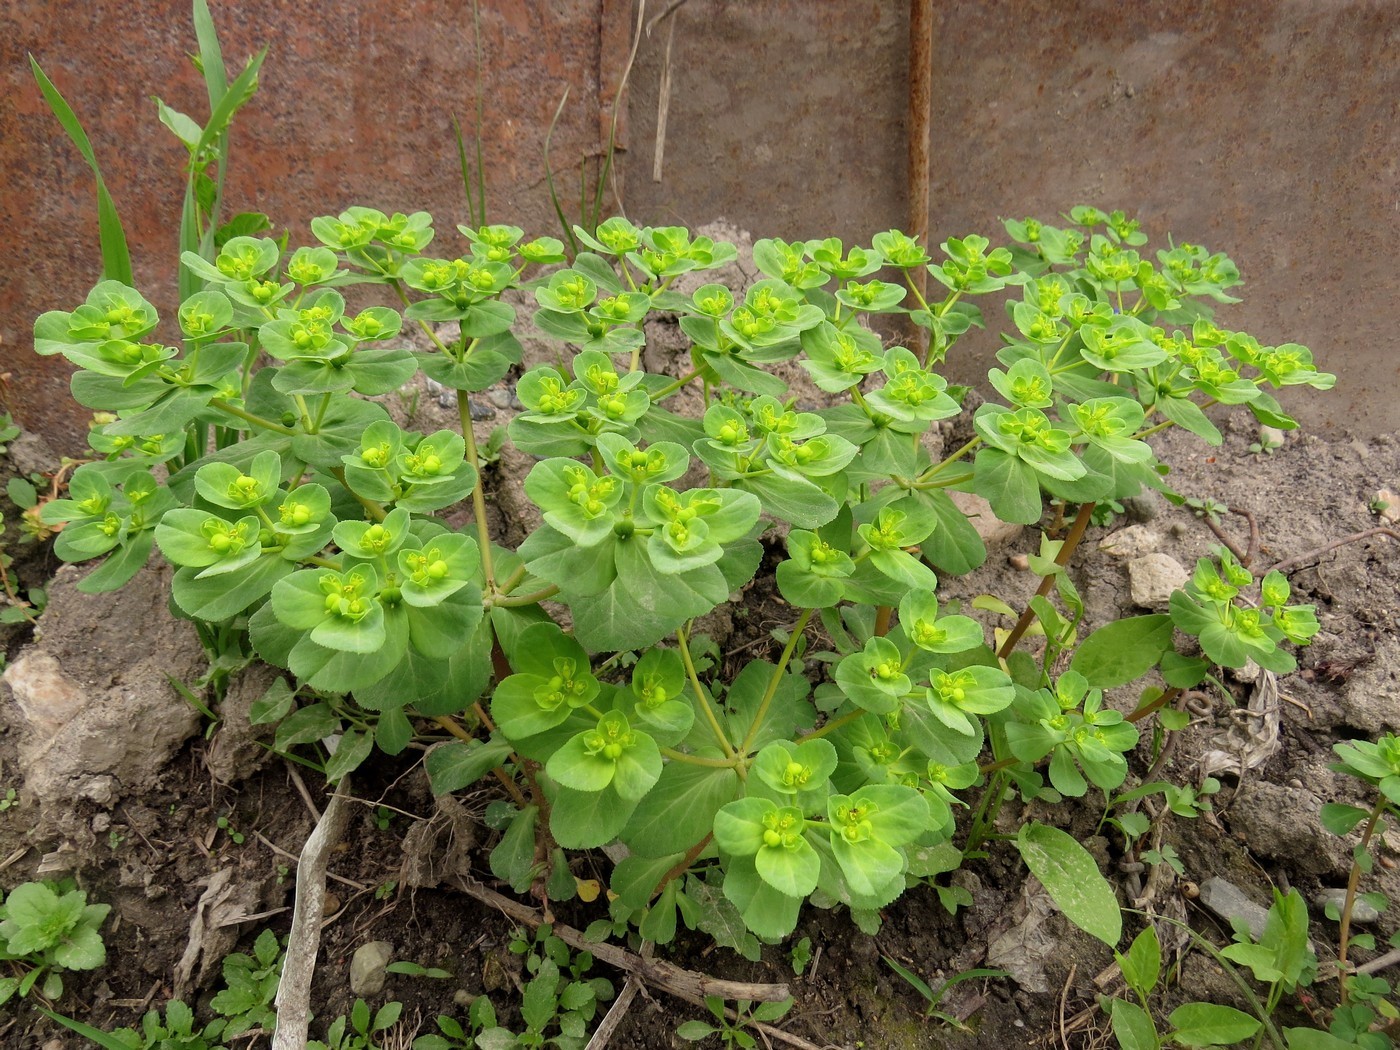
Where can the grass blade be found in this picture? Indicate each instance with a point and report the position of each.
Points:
(549, 179)
(466, 169)
(101, 1038)
(116, 259)
(211, 56)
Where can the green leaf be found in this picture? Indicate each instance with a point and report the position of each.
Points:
(1124, 650)
(457, 764)
(1313, 1039)
(680, 808)
(694, 1031)
(1209, 1024)
(116, 260)
(1142, 965)
(1132, 1026)
(588, 819)
(513, 858)
(1072, 878)
(1008, 484)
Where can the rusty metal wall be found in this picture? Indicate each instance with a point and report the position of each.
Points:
(1265, 128)
(1268, 129)
(355, 107)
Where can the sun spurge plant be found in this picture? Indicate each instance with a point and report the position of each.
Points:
(243, 441)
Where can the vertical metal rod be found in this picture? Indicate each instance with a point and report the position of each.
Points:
(920, 114)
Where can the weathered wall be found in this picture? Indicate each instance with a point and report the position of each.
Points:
(355, 107)
(1267, 129)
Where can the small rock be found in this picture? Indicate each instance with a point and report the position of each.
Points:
(1388, 504)
(369, 967)
(1271, 437)
(1142, 508)
(1018, 561)
(499, 396)
(480, 412)
(1362, 911)
(1281, 823)
(330, 905)
(1132, 542)
(1360, 449)
(1153, 578)
(1230, 903)
(994, 532)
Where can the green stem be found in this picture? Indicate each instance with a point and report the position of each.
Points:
(321, 410)
(483, 533)
(953, 458)
(671, 388)
(775, 680)
(248, 417)
(512, 581)
(697, 760)
(1047, 582)
(306, 424)
(397, 285)
(515, 601)
(945, 483)
(1353, 880)
(375, 511)
(705, 705)
(832, 726)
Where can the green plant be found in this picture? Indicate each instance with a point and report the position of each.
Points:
(254, 457)
(177, 1030)
(733, 1032)
(47, 928)
(1193, 1024)
(250, 987)
(357, 1032)
(481, 1018)
(226, 826)
(935, 997)
(10, 801)
(1376, 764)
(801, 956)
(413, 969)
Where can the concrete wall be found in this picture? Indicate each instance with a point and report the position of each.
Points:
(1264, 128)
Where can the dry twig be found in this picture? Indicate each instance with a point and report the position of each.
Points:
(683, 984)
(303, 943)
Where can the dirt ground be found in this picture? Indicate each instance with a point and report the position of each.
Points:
(152, 855)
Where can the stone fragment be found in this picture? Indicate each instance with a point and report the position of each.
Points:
(1281, 824)
(1229, 902)
(994, 532)
(1363, 912)
(1388, 504)
(99, 717)
(1132, 542)
(1153, 578)
(369, 968)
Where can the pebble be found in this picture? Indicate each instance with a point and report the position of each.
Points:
(500, 396)
(994, 532)
(1362, 911)
(369, 968)
(1018, 561)
(1132, 542)
(1390, 513)
(478, 411)
(1270, 437)
(1153, 578)
(1229, 902)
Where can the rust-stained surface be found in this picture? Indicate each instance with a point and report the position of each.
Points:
(1267, 129)
(355, 107)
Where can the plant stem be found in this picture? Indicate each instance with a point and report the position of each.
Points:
(1168, 697)
(671, 388)
(374, 510)
(1353, 880)
(248, 417)
(933, 471)
(512, 581)
(832, 726)
(483, 533)
(704, 697)
(683, 865)
(517, 600)
(775, 680)
(1076, 533)
(450, 724)
(697, 760)
(883, 615)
